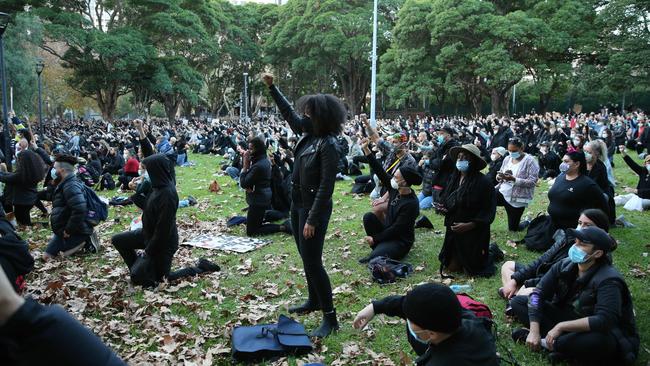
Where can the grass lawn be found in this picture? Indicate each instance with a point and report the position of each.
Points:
(190, 321)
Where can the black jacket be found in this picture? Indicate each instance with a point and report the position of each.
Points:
(159, 214)
(17, 191)
(643, 187)
(401, 213)
(601, 295)
(69, 208)
(257, 180)
(15, 259)
(531, 273)
(442, 164)
(471, 345)
(315, 164)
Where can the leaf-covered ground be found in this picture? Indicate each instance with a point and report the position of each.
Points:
(190, 321)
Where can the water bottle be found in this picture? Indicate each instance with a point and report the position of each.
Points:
(460, 288)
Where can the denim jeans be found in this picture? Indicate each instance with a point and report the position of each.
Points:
(58, 244)
(181, 159)
(232, 172)
(426, 202)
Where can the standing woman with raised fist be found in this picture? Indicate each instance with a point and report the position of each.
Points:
(320, 120)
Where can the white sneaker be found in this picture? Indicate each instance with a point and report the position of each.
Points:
(95, 243)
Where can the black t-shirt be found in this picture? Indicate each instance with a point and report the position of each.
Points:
(567, 198)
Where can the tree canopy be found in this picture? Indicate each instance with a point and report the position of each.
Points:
(190, 55)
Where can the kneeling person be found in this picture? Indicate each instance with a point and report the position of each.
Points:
(393, 236)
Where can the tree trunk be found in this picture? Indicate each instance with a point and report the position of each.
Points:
(171, 107)
(544, 100)
(107, 102)
(500, 101)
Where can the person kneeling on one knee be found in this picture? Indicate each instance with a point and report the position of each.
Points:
(392, 237)
(439, 330)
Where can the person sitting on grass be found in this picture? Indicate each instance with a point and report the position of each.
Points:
(521, 279)
(642, 189)
(393, 236)
(438, 329)
(71, 231)
(581, 310)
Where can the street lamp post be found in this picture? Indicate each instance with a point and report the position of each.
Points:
(4, 22)
(373, 83)
(245, 101)
(39, 70)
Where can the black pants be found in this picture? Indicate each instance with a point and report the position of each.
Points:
(254, 222)
(514, 213)
(22, 214)
(394, 249)
(127, 242)
(275, 215)
(584, 346)
(40, 206)
(311, 253)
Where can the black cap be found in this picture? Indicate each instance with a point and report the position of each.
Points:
(596, 236)
(434, 307)
(411, 176)
(447, 129)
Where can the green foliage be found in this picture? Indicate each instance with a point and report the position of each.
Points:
(21, 53)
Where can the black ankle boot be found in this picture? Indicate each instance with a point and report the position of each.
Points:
(308, 307)
(329, 325)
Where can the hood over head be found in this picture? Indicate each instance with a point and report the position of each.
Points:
(160, 170)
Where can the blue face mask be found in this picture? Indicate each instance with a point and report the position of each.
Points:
(564, 167)
(414, 335)
(515, 155)
(53, 173)
(146, 175)
(440, 139)
(577, 255)
(588, 156)
(462, 165)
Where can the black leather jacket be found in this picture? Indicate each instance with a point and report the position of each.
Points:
(315, 166)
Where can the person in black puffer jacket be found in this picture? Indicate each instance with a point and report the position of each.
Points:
(313, 178)
(69, 211)
(20, 191)
(159, 234)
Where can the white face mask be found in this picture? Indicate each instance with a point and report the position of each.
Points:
(394, 184)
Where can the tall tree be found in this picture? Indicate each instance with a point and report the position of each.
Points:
(92, 40)
(328, 40)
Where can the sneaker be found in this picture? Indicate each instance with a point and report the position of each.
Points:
(207, 266)
(622, 222)
(286, 227)
(191, 200)
(95, 243)
(519, 335)
(423, 222)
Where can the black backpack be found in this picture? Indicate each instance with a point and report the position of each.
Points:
(386, 270)
(540, 233)
(107, 182)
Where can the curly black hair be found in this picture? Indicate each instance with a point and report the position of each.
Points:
(326, 112)
(30, 167)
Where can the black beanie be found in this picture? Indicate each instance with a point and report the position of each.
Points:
(434, 307)
(411, 176)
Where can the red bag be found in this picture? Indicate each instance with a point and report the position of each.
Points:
(478, 308)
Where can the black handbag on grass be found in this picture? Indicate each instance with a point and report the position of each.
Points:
(268, 341)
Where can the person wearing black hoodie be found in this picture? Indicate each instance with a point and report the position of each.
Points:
(159, 234)
(438, 329)
(255, 178)
(15, 259)
(394, 237)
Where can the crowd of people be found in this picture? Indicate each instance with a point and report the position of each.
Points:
(570, 301)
